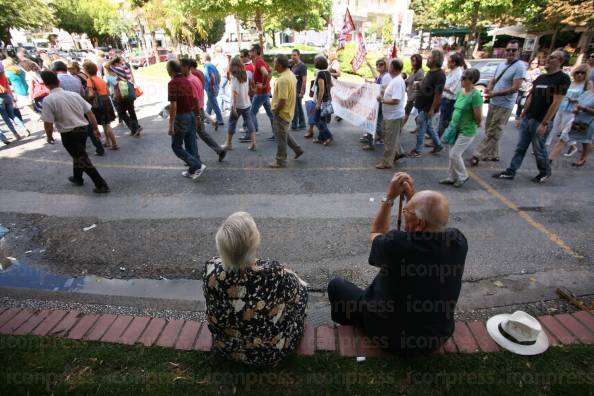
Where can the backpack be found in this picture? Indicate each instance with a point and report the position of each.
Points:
(124, 90)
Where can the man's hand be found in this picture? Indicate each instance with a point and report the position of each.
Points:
(401, 183)
(97, 134)
(171, 130)
(518, 122)
(379, 98)
(318, 106)
(430, 113)
(541, 129)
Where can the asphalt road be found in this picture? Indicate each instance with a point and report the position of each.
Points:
(314, 216)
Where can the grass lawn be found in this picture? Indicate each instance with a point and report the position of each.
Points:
(36, 366)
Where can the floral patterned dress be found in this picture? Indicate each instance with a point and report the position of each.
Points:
(255, 316)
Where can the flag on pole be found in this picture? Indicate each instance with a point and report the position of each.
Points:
(347, 26)
(361, 52)
(394, 51)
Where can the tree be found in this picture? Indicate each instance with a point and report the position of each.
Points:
(213, 34)
(99, 19)
(427, 16)
(388, 33)
(35, 14)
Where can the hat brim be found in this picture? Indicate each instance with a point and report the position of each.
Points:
(541, 344)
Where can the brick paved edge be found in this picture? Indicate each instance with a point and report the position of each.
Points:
(468, 337)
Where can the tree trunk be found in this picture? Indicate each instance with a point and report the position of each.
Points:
(274, 38)
(554, 38)
(585, 39)
(154, 41)
(474, 29)
(238, 32)
(258, 21)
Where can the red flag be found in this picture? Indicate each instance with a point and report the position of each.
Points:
(394, 52)
(361, 52)
(347, 26)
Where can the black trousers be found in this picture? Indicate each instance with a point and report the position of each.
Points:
(126, 113)
(96, 142)
(74, 143)
(346, 302)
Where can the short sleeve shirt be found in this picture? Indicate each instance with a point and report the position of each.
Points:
(463, 115)
(285, 88)
(65, 109)
(517, 71)
(417, 270)
(396, 89)
(453, 83)
(208, 69)
(197, 89)
(544, 89)
(300, 71)
(242, 89)
(431, 85)
(385, 80)
(179, 90)
(259, 78)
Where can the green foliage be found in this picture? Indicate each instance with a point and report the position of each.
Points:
(388, 33)
(34, 14)
(213, 34)
(96, 18)
(427, 16)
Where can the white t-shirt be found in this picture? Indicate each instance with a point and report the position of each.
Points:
(453, 81)
(242, 89)
(396, 90)
(386, 78)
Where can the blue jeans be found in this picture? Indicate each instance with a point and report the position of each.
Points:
(528, 135)
(7, 113)
(221, 93)
(258, 101)
(425, 126)
(310, 108)
(299, 117)
(212, 104)
(182, 126)
(322, 124)
(248, 125)
(446, 109)
(190, 138)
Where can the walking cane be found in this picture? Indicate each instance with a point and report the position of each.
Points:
(399, 221)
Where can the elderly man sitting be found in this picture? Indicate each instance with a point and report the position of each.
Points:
(409, 306)
(255, 308)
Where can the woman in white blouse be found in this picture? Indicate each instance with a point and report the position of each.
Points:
(240, 104)
(456, 66)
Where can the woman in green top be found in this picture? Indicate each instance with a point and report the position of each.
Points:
(468, 112)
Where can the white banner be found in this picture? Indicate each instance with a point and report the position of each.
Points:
(356, 103)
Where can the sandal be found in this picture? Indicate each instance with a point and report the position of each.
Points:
(252, 147)
(579, 163)
(328, 142)
(316, 141)
(308, 135)
(474, 161)
(114, 147)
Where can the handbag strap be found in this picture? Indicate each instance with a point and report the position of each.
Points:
(502, 73)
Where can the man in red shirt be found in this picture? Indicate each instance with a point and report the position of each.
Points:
(198, 92)
(262, 76)
(181, 119)
(197, 72)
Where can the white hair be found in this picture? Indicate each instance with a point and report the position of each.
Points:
(238, 240)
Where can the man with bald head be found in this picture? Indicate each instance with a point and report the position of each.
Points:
(409, 307)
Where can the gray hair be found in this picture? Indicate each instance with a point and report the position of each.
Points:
(437, 56)
(237, 241)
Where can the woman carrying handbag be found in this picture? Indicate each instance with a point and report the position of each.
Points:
(462, 129)
(102, 108)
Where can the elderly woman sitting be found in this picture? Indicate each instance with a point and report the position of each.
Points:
(255, 308)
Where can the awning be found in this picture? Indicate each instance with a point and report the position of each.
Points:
(450, 32)
(514, 31)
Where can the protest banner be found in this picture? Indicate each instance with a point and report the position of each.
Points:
(356, 103)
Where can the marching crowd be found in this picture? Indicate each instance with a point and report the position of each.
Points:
(552, 108)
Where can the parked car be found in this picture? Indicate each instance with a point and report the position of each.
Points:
(163, 54)
(142, 60)
(487, 69)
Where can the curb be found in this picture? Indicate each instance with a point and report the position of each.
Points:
(347, 341)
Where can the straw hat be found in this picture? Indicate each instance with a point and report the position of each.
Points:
(519, 333)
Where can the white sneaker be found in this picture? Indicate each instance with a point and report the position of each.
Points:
(198, 173)
(572, 150)
(186, 174)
